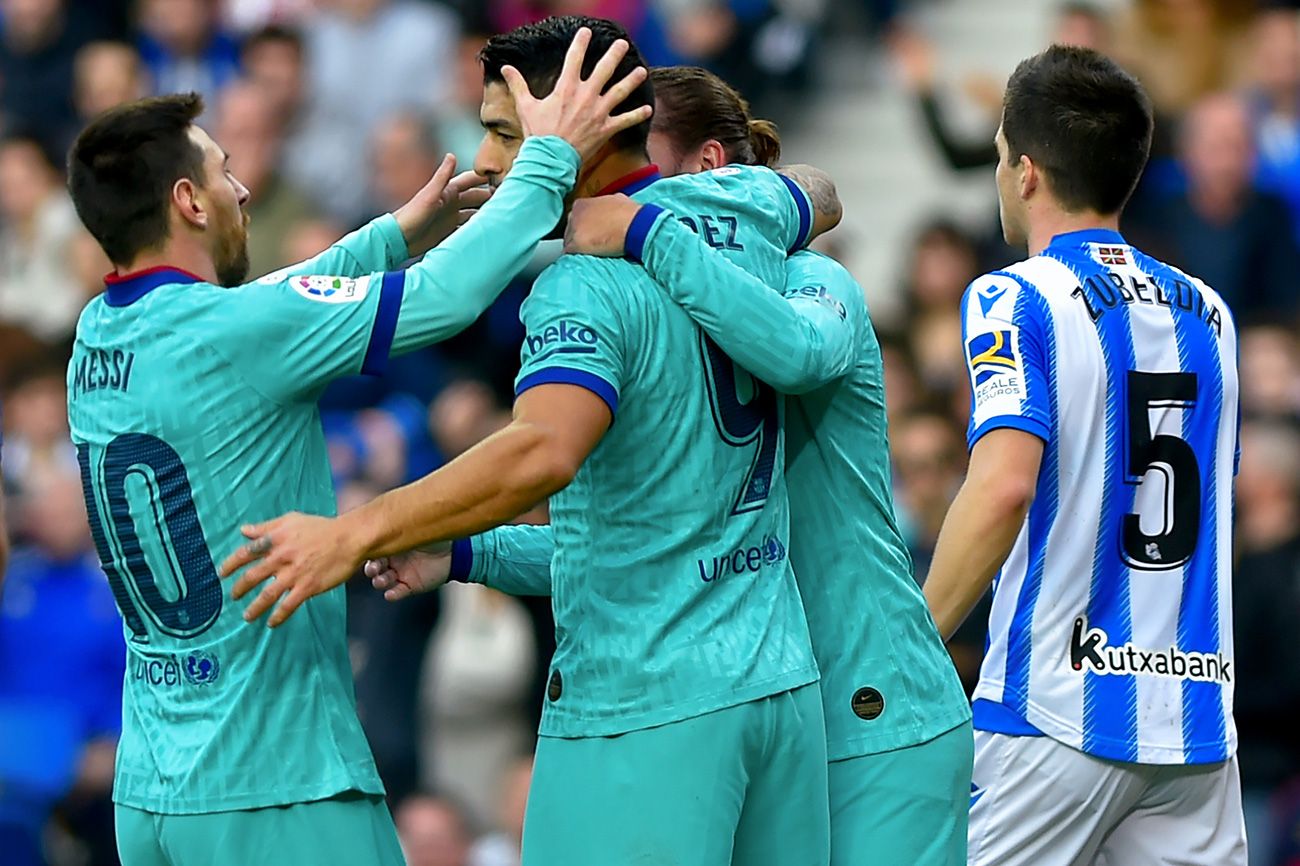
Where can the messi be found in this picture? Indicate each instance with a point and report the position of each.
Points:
(568, 333)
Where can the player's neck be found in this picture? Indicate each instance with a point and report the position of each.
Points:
(183, 257)
(1047, 224)
(607, 169)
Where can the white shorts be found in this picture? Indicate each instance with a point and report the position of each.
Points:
(1037, 802)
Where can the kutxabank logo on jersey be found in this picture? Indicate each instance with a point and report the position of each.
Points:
(195, 668)
(1089, 647)
(746, 559)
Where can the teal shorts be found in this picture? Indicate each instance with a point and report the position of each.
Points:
(347, 830)
(744, 785)
(907, 807)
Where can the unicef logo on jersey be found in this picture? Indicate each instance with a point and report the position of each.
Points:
(743, 560)
(201, 668)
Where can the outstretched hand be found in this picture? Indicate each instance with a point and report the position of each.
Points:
(576, 110)
(302, 555)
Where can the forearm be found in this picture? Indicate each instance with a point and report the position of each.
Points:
(498, 479)
(976, 538)
(456, 281)
(793, 343)
(515, 560)
(376, 246)
(827, 211)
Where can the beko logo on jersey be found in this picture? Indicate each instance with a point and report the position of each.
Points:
(566, 338)
(1088, 646)
(197, 668)
(743, 560)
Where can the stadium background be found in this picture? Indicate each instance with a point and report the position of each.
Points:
(336, 110)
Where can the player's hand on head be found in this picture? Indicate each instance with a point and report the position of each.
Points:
(407, 574)
(598, 226)
(303, 555)
(444, 203)
(577, 110)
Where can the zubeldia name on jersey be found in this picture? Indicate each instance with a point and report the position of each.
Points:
(1102, 293)
(1089, 646)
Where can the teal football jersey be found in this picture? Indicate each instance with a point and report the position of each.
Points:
(193, 408)
(887, 681)
(673, 592)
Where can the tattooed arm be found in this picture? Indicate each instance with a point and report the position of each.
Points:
(826, 206)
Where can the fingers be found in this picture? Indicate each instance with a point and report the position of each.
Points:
(438, 183)
(519, 90)
(623, 89)
(627, 120)
(465, 215)
(608, 64)
(571, 72)
(475, 198)
(398, 592)
(375, 567)
(288, 605)
(259, 547)
(464, 182)
(272, 591)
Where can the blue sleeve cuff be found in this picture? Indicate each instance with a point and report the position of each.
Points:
(639, 231)
(805, 213)
(462, 560)
(1012, 422)
(381, 335)
(570, 376)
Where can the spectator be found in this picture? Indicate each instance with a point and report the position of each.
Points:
(502, 846)
(273, 60)
(184, 48)
(404, 154)
(107, 74)
(1222, 228)
(477, 697)
(37, 443)
(1275, 104)
(251, 133)
(1184, 50)
(1270, 372)
(1077, 23)
(366, 60)
(248, 16)
(433, 832)
(39, 43)
(944, 262)
(1266, 606)
(59, 718)
(40, 289)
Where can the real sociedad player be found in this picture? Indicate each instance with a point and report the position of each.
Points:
(1103, 439)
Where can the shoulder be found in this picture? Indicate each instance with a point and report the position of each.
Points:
(806, 269)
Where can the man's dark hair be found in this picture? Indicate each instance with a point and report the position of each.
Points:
(1084, 121)
(537, 51)
(271, 34)
(122, 168)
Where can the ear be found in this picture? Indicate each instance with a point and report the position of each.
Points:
(1030, 177)
(712, 155)
(185, 196)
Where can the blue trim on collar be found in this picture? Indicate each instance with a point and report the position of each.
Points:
(1088, 236)
(127, 289)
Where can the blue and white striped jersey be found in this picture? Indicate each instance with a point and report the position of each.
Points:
(1111, 627)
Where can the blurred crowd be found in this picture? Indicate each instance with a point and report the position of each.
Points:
(334, 111)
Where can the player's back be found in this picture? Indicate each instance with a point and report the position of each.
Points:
(180, 443)
(672, 587)
(887, 681)
(1111, 622)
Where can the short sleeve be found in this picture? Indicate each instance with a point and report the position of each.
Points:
(1005, 327)
(292, 337)
(573, 336)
